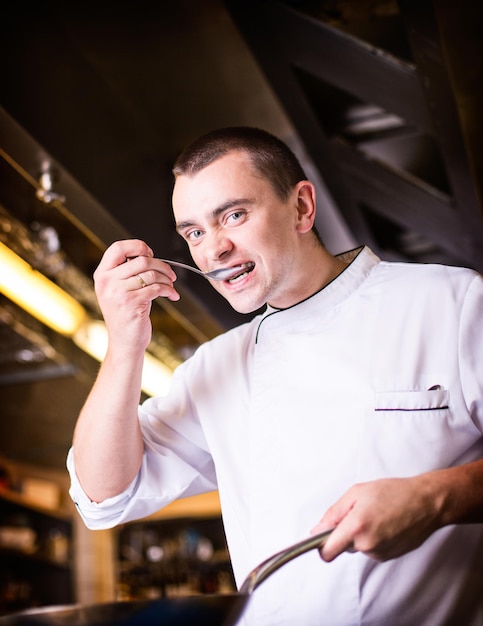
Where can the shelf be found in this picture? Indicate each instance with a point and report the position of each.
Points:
(23, 501)
(173, 557)
(35, 555)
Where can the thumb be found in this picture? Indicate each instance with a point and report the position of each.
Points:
(334, 515)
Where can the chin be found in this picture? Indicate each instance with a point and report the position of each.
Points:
(245, 307)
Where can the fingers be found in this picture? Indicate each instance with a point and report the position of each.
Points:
(119, 251)
(342, 537)
(152, 276)
(140, 280)
(337, 512)
(132, 265)
(339, 541)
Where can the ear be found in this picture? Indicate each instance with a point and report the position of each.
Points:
(306, 205)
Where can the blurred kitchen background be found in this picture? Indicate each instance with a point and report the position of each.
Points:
(380, 99)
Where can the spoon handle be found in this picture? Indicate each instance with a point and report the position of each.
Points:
(184, 266)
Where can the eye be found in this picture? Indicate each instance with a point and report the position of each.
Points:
(193, 235)
(234, 217)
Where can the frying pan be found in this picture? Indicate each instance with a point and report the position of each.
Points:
(203, 610)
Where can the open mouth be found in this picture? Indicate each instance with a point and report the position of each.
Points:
(248, 267)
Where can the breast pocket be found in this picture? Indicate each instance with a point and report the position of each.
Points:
(430, 400)
(407, 433)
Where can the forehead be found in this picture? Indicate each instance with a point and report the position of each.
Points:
(227, 178)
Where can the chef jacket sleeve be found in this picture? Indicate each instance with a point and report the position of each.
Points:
(176, 463)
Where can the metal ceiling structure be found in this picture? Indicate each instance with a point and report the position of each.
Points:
(387, 98)
(380, 99)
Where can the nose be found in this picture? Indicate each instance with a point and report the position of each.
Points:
(217, 246)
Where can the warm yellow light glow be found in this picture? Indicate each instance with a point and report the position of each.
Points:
(91, 337)
(37, 294)
(156, 376)
(60, 311)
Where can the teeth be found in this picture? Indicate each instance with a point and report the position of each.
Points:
(232, 280)
(249, 267)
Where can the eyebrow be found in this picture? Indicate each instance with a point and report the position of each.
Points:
(229, 204)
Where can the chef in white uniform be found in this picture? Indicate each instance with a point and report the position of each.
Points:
(354, 401)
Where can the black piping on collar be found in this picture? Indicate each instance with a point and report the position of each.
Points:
(274, 311)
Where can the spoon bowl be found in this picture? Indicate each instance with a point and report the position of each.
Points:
(223, 273)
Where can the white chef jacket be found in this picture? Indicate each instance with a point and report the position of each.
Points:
(379, 374)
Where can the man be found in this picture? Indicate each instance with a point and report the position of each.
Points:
(355, 401)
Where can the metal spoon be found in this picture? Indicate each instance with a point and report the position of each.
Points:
(224, 273)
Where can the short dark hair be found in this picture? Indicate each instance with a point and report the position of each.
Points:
(270, 156)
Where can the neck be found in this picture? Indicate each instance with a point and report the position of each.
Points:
(330, 267)
(318, 269)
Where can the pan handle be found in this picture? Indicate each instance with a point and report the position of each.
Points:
(274, 562)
